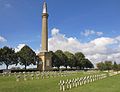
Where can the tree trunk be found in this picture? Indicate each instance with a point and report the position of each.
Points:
(66, 67)
(58, 68)
(25, 66)
(7, 67)
(76, 67)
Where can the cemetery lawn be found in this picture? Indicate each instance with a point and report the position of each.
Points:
(9, 84)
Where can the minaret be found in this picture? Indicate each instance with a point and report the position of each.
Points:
(45, 63)
(44, 28)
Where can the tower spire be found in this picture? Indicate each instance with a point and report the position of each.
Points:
(44, 7)
(44, 28)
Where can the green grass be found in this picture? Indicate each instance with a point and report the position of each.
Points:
(110, 84)
(9, 84)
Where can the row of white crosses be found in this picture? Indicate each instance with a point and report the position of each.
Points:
(71, 83)
(6, 74)
(44, 74)
(114, 73)
(25, 76)
(53, 74)
(37, 75)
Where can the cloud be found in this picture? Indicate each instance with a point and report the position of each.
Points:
(99, 49)
(103, 41)
(54, 31)
(99, 33)
(7, 5)
(2, 39)
(37, 51)
(19, 47)
(118, 38)
(89, 32)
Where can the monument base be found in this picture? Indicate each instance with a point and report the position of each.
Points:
(46, 62)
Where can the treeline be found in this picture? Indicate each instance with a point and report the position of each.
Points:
(26, 56)
(68, 59)
(108, 65)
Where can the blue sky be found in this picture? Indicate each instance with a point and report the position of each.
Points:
(20, 20)
(83, 20)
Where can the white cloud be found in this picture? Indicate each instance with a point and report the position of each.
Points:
(99, 49)
(99, 33)
(118, 38)
(103, 41)
(19, 47)
(2, 39)
(89, 32)
(37, 51)
(55, 31)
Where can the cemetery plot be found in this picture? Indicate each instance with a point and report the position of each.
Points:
(54, 81)
(71, 83)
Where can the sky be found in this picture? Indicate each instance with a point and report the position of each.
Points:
(88, 26)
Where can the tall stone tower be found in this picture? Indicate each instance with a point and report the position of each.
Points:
(45, 64)
(44, 28)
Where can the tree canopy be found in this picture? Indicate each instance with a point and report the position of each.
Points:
(107, 65)
(79, 59)
(27, 56)
(8, 56)
(60, 58)
(71, 59)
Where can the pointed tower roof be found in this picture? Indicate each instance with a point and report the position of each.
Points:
(44, 7)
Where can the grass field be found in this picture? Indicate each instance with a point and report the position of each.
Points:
(9, 84)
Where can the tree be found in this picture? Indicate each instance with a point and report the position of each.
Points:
(71, 59)
(27, 56)
(0, 56)
(101, 66)
(8, 56)
(56, 61)
(61, 59)
(79, 60)
(108, 65)
(88, 64)
(119, 67)
(65, 61)
(115, 67)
